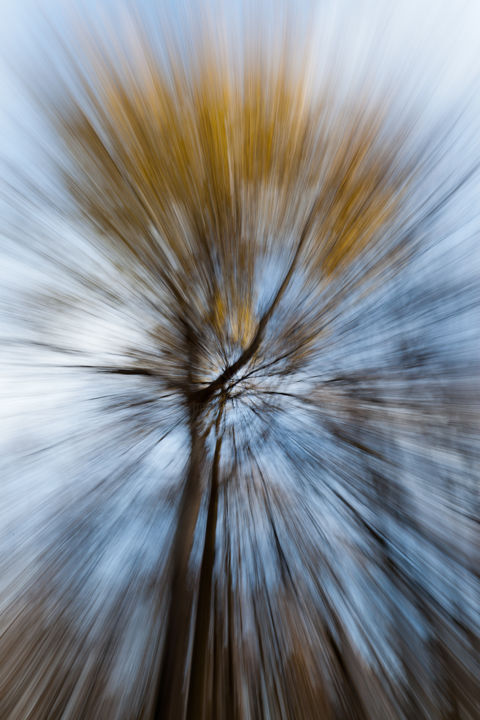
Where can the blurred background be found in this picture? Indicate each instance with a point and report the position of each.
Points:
(239, 353)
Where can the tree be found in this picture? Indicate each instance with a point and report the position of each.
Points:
(199, 173)
(244, 207)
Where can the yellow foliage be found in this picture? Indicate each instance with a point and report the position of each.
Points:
(200, 165)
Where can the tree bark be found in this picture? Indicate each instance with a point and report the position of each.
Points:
(170, 699)
(198, 696)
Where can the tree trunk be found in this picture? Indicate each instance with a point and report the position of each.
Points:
(198, 696)
(170, 700)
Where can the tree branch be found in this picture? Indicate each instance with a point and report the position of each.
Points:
(206, 393)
